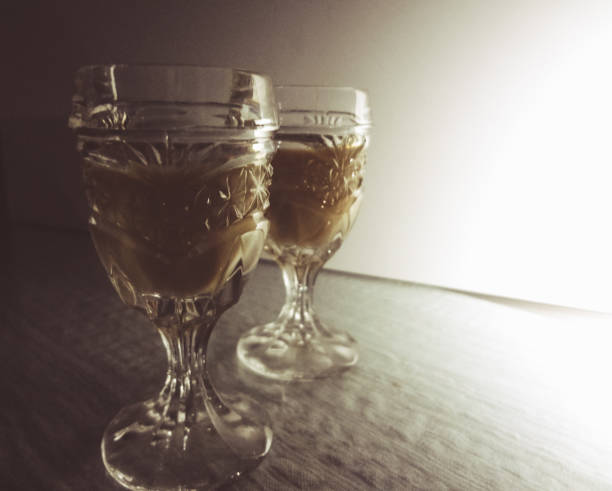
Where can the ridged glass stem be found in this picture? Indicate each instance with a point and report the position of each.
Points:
(297, 312)
(187, 383)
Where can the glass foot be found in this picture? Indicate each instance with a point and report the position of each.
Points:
(157, 445)
(282, 351)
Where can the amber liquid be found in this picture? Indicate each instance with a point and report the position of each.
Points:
(176, 232)
(315, 193)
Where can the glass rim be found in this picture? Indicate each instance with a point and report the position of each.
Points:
(219, 68)
(313, 108)
(338, 88)
(205, 92)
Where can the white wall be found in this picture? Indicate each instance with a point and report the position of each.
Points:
(489, 164)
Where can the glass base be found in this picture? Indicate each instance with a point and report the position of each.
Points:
(282, 350)
(153, 446)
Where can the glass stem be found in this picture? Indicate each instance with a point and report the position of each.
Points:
(187, 385)
(297, 313)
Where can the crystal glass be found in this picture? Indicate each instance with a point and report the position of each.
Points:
(176, 163)
(314, 199)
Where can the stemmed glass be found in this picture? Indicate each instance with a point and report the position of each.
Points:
(176, 163)
(314, 199)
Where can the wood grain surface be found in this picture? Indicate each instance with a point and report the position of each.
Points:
(451, 391)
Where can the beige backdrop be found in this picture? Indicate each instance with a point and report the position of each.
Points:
(489, 164)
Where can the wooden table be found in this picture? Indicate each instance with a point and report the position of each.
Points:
(451, 391)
